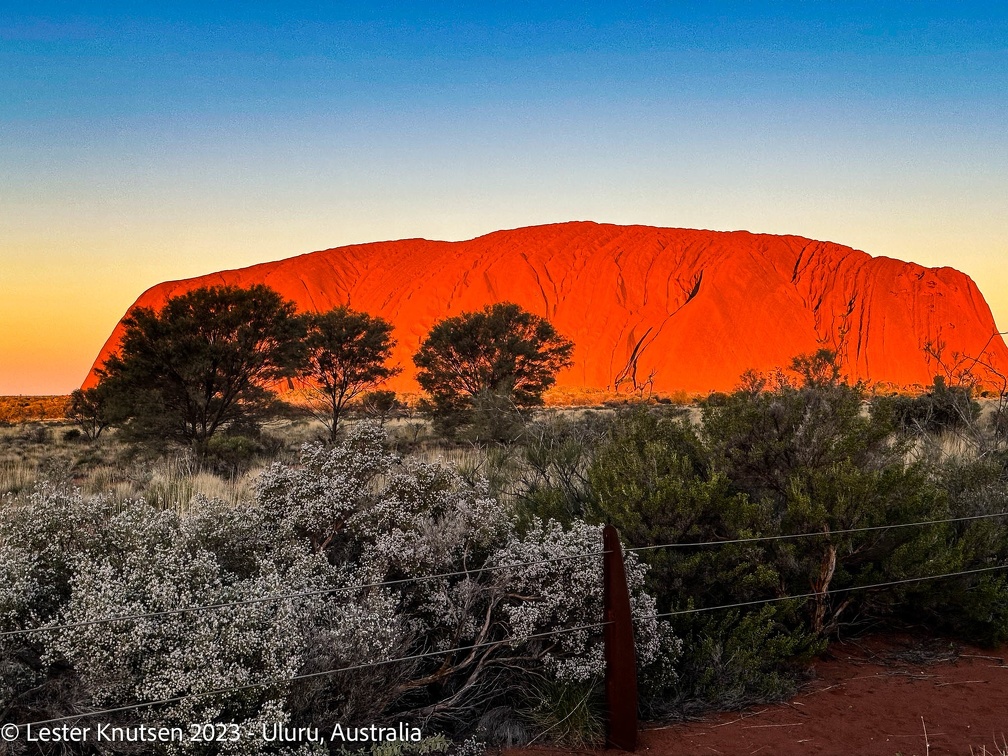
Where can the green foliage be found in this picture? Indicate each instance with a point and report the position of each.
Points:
(974, 608)
(734, 659)
(557, 452)
(653, 478)
(203, 362)
(489, 364)
(347, 354)
(492, 416)
(820, 369)
(940, 409)
(235, 452)
(813, 461)
(762, 439)
(781, 456)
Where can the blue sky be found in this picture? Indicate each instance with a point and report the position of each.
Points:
(142, 142)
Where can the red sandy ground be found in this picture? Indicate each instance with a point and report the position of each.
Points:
(868, 698)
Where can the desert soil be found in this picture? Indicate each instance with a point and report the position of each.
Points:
(868, 698)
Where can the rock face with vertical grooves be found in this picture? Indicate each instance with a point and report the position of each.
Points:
(690, 309)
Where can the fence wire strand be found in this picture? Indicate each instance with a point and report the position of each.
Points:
(312, 675)
(815, 534)
(291, 595)
(778, 599)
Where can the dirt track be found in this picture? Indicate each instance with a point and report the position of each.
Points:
(871, 698)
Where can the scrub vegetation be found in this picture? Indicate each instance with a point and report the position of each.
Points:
(317, 542)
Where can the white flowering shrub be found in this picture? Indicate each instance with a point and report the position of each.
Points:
(568, 594)
(354, 629)
(325, 496)
(19, 586)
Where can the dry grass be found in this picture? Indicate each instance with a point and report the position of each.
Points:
(569, 396)
(17, 475)
(30, 452)
(1000, 749)
(171, 477)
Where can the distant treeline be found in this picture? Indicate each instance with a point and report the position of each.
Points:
(20, 409)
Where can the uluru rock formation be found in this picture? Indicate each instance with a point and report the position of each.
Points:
(690, 309)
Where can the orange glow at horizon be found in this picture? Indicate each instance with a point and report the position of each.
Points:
(55, 316)
(141, 143)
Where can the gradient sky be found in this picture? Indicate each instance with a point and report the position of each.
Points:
(144, 142)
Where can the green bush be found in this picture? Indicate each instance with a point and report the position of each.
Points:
(776, 458)
(940, 409)
(654, 480)
(556, 453)
(737, 658)
(233, 453)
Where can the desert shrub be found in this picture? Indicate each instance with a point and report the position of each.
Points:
(940, 409)
(485, 417)
(654, 480)
(36, 433)
(556, 451)
(379, 404)
(972, 608)
(737, 658)
(333, 526)
(777, 458)
(814, 462)
(491, 417)
(233, 453)
(763, 439)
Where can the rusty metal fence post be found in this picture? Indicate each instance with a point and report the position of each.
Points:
(620, 653)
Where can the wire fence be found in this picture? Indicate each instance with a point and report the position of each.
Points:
(293, 595)
(313, 675)
(502, 641)
(816, 533)
(824, 594)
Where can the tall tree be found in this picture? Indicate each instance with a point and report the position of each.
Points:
(347, 354)
(500, 356)
(205, 361)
